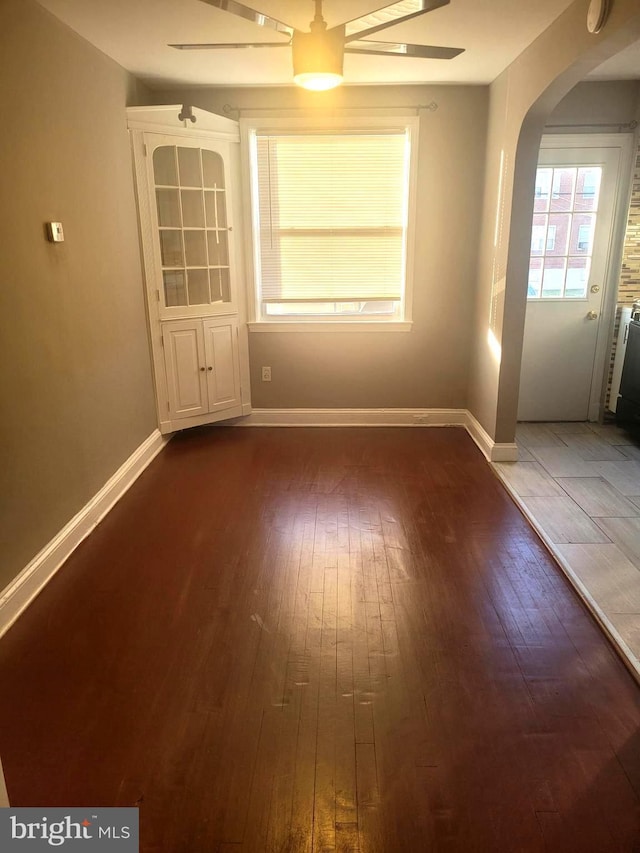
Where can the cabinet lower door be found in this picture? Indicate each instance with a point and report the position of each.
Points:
(223, 368)
(184, 354)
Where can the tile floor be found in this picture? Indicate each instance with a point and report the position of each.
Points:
(579, 485)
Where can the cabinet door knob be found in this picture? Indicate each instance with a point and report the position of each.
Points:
(202, 369)
(209, 368)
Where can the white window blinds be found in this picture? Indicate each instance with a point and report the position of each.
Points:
(332, 216)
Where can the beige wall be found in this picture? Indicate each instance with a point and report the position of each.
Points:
(75, 380)
(593, 103)
(521, 100)
(427, 367)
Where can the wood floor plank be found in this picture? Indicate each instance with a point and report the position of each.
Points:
(329, 641)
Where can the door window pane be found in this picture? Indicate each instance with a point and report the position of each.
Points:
(562, 240)
(561, 224)
(535, 277)
(588, 188)
(562, 189)
(577, 278)
(543, 190)
(553, 277)
(582, 234)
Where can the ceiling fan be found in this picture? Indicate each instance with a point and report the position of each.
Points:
(318, 54)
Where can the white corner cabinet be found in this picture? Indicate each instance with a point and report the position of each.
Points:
(188, 190)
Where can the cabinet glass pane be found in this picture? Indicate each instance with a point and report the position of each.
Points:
(213, 169)
(198, 287)
(168, 208)
(164, 166)
(192, 209)
(218, 251)
(216, 208)
(175, 291)
(189, 165)
(171, 248)
(192, 225)
(220, 290)
(195, 248)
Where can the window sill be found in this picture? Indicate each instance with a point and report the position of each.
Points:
(331, 326)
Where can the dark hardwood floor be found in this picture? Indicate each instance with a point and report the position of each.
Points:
(344, 640)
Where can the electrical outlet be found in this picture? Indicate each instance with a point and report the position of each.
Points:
(266, 374)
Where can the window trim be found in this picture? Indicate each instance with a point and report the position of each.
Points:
(386, 123)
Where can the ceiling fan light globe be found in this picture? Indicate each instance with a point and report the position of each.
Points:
(318, 58)
(318, 81)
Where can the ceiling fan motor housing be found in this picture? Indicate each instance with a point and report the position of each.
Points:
(321, 50)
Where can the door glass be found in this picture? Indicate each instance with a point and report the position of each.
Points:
(193, 233)
(564, 222)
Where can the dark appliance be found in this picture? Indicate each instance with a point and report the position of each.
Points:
(628, 408)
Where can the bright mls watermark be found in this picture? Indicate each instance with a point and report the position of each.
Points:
(103, 830)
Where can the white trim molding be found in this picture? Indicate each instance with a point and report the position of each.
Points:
(17, 596)
(494, 452)
(354, 417)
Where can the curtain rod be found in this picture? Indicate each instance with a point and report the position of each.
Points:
(629, 125)
(228, 108)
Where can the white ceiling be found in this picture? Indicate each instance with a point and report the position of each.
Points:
(136, 33)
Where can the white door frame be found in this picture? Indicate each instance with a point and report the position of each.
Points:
(625, 142)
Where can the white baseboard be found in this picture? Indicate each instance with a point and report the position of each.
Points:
(26, 586)
(502, 452)
(384, 417)
(355, 417)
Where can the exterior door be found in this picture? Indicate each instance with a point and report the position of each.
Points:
(576, 197)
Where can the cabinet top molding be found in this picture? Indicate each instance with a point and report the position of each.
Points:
(166, 118)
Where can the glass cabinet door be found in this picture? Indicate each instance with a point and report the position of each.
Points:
(193, 231)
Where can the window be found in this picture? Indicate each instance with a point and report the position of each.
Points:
(331, 223)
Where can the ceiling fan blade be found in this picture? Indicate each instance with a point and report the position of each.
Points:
(229, 45)
(388, 16)
(386, 48)
(250, 14)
